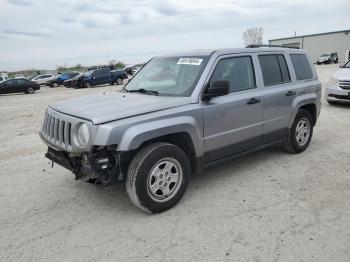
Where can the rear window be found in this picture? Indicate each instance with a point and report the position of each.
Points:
(301, 66)
(274, 69)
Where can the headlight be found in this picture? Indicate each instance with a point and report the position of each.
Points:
(83, 135)
(334, 81)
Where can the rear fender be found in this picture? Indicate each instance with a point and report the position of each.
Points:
(302, 100)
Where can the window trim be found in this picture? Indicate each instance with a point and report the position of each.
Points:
(279, 66)
(233, 57)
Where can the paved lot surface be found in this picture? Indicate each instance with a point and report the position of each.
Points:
(268, 206)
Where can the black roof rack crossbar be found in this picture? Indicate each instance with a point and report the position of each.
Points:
(282, 46)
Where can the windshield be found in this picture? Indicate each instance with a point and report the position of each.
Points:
(325, 55)
(347, 65)
(169, 76)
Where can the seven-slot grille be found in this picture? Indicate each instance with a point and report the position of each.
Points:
(345, 84)
(57, 131)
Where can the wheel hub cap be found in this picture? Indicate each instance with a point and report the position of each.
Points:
(302, 131)
(164, 179)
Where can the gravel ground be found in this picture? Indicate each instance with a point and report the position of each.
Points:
(268, 206)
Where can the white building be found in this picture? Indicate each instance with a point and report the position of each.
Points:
(318, 44)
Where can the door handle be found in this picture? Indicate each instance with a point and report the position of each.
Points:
(291, 93)
(253, 101)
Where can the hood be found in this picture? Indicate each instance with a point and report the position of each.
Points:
(105, 107)
(342, 74)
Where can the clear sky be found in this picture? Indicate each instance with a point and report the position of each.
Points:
(47, 33)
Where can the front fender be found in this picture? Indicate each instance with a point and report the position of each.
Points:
(135, 135)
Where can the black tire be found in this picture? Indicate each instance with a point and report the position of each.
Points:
(88, 85)
(119, 81)
(140, 176)
(30, 90)
(293, 145)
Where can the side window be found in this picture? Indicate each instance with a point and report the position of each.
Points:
(274, 69)
(238, 71)
(301, 66)
(22, 82)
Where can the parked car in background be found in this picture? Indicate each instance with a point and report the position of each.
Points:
(104, 76)
(338, 89)
(328, 58)
(18, 86)
(31, 77)
(71, 81)
(58, 80)
(128, 69)
(42, 79)
(19, 76)
(3, 77)
(181, 114)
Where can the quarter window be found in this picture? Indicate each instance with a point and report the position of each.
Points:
(301, 66)
(238, 71)
(274, 69)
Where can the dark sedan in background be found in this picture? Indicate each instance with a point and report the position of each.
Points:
(59, 80)
(18, 86)
(75, 82)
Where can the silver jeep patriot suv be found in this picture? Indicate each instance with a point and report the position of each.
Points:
(181, 113)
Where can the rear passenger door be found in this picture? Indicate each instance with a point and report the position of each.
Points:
(279, 93)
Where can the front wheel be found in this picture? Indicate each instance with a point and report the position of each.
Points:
(88, 85)
(299, 137)
(158, 177)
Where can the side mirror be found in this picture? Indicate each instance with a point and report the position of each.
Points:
(217, 88)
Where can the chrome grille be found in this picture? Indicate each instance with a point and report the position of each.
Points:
(344, 84)
(57, 131)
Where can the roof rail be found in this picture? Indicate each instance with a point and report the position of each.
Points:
(282, 46)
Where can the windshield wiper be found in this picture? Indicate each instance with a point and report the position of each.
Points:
(144, 91)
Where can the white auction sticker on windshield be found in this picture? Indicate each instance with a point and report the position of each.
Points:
(189, 61)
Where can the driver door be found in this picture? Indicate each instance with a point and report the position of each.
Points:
(7, 87)
(233, 123)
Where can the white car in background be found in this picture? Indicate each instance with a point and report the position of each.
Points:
(3, 77)
(42, 79)
(338, 89)
(19, 76)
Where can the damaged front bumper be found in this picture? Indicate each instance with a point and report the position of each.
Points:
(101, 167)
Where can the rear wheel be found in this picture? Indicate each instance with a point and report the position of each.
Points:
(88, 85)
(30, 90)
(299, 137)
(158, 177)
(119, 81)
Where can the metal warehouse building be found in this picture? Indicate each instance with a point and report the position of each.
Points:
(318, 44)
